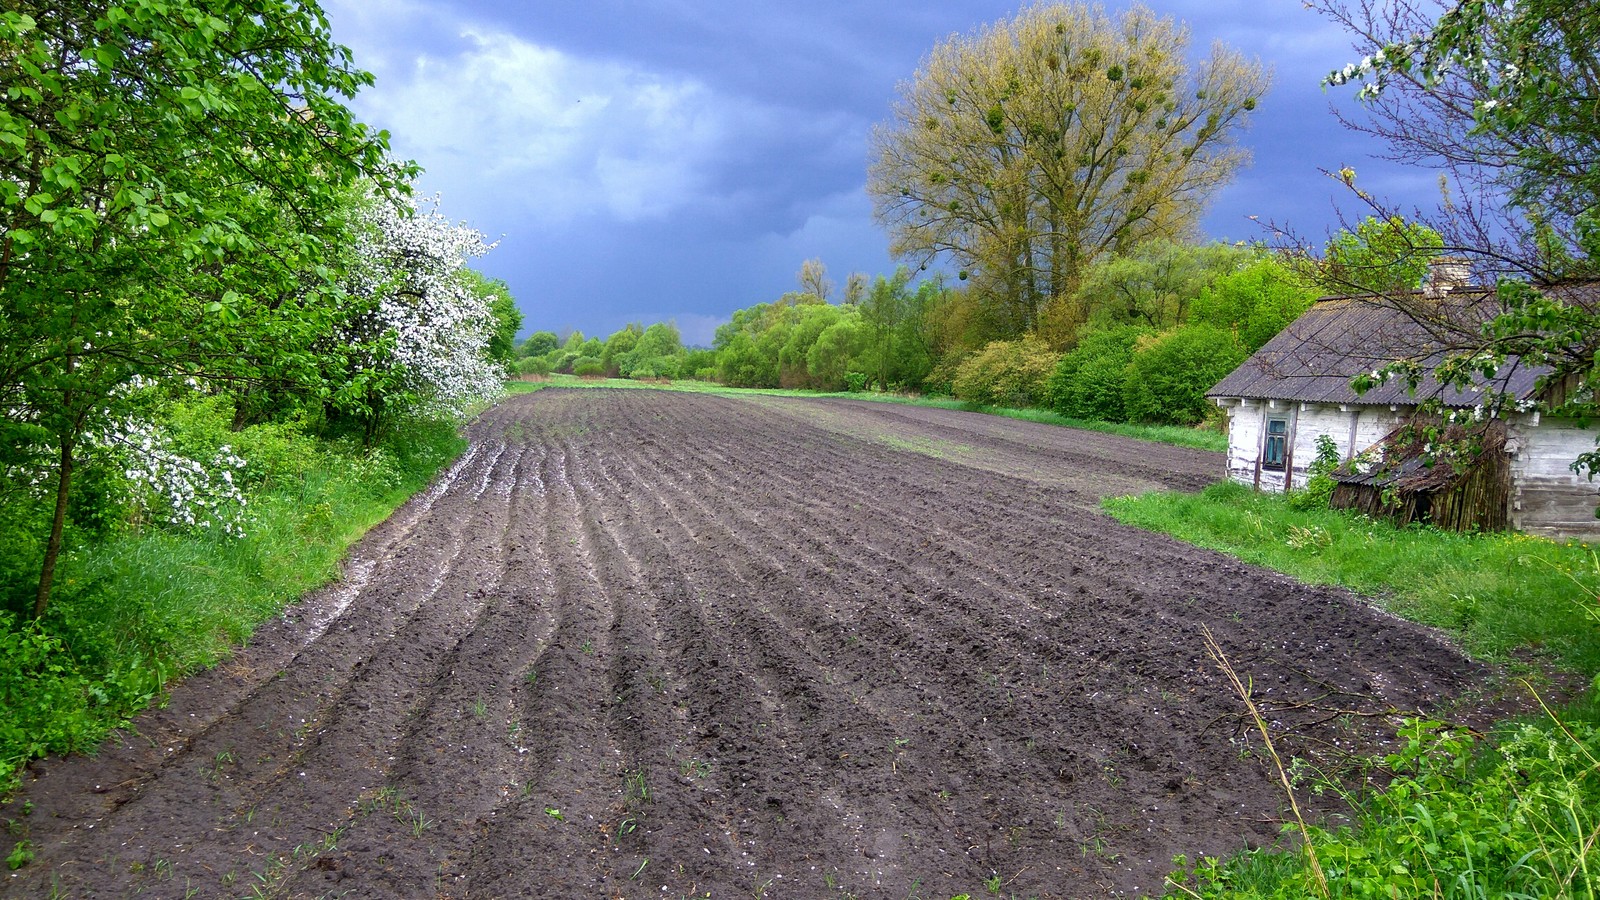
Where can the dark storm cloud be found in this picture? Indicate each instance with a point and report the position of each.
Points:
(677, 159)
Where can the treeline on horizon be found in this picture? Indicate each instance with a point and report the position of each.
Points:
(1140, 339)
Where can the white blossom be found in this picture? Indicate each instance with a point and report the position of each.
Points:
(410, 264)
(171, 488)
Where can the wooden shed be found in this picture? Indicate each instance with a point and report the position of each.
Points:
(1297, 388)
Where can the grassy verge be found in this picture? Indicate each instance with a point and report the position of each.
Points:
(1496, 593)
(1512, 814)
(141, 606)
(1199, 439)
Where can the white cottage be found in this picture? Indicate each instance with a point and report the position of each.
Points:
(1297, 387)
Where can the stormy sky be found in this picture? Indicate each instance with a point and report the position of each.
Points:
(656, 160)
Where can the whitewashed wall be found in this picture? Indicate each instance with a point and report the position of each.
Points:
(1353, 429)
(1547, 497)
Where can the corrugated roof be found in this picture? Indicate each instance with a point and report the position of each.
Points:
(1339, 338)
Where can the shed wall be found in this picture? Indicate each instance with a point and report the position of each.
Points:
(1547, 497)
(1352, 428)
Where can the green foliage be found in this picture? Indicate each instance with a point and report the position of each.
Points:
(1154, 285)
(1319, 481)
(1515, 817)
(1088, 382)
(44, 697)
(502, 346)
(1255, 302)
(616, 347)
(741, 363)
(839, 347)
(656, 354)
(1169, 376)
(540, 343)
(588, 366)
(802, 328)
(1007, 373)
(896, 345)
(1382, 255)
(533, 365)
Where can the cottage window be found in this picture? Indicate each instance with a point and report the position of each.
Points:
(1277, 443)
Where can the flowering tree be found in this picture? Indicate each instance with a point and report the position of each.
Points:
(1503, 95)
(420, 328)
(169, 174)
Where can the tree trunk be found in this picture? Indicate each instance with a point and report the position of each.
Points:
(52, 550)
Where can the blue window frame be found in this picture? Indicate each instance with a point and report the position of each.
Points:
(1275, 449)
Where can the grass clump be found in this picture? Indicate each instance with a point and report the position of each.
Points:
(1517, 816)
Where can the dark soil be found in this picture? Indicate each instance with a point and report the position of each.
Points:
(650, 644)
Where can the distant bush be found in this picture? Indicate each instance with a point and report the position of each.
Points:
(1087, 384)
(1007, 373)
(1169, 375)
(533, 365)
(588, 366)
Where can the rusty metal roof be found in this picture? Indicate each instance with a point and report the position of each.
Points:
(1339, 338)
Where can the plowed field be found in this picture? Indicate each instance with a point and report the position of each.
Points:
(650, 644)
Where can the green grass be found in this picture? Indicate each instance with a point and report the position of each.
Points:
(1197, 438)
(144, 605)
(1515, 814)
(1500, 595)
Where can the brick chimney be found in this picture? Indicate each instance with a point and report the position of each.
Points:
(1447, 273)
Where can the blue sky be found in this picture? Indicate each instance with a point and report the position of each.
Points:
(657, 160)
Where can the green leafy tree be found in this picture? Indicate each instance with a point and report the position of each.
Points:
(1152, 286)
(619, 345)
(1381, 256)
(836, 352)
(656, 355)
(1030, 149)
(809, 322)
(1168, 377)
(887, 307)
(1254, 303)
(502, 347)
(741, 364)
(171, 175)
